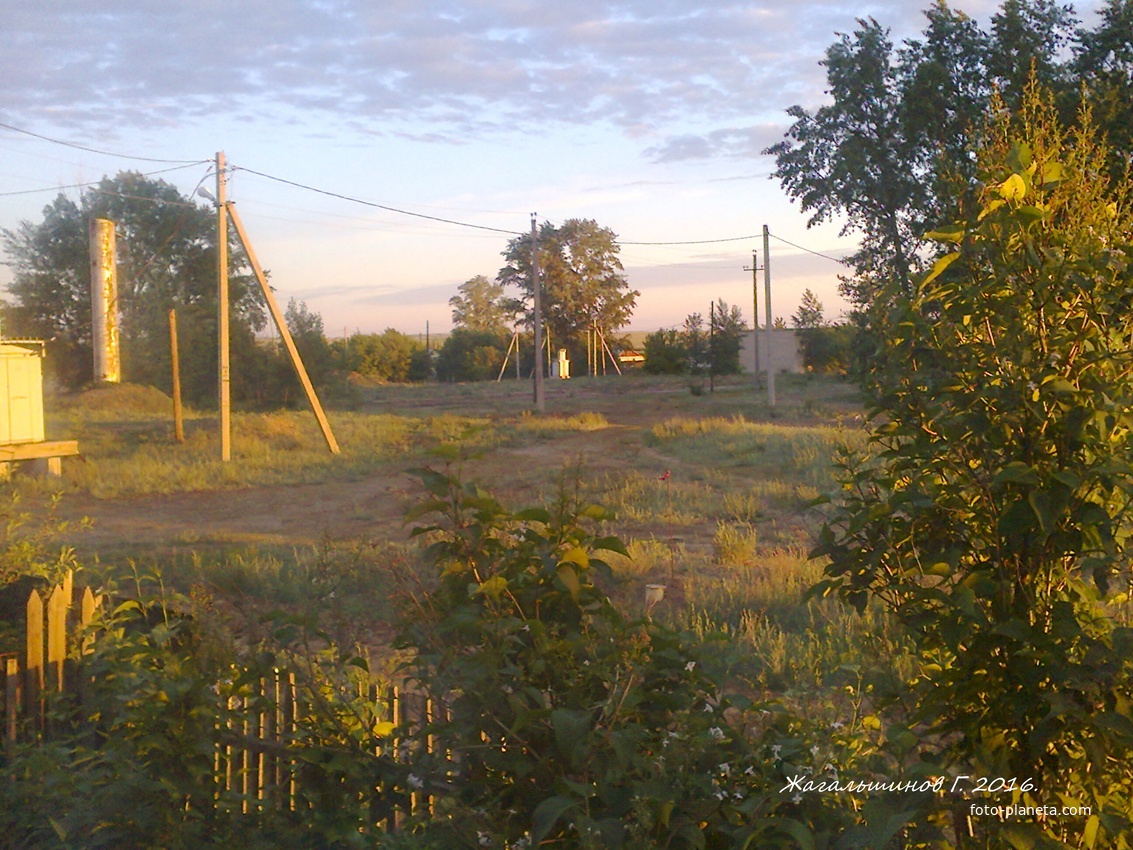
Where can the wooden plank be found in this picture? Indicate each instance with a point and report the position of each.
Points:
(88, 605)
(33, 668)
(11, 697)
(57, 635)
(33, 451)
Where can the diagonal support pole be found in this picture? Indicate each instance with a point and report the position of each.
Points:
(284, 333)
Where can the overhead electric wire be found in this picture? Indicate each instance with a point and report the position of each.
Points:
(101, 152)
(97, 182)
(808, 250)
(694, 241)
(374, 204)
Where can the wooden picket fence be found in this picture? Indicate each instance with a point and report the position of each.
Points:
(255, 759)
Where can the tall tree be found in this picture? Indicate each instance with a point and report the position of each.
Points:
(581, 278)
(166, 259)
(480, 305)
(896, 148)
(992, 514)
(725, 337)
(809, 314)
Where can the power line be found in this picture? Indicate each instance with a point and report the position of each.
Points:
(376, 205)
(99, 182)
(694, 241)
(808, 250)
(101, 152)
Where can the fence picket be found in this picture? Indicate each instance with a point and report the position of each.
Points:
(255, 755)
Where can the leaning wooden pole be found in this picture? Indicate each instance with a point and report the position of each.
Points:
(175, 365)
(284, 333)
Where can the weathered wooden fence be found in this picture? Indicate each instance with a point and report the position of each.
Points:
(258, 756)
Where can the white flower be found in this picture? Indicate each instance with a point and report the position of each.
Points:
(725, 768)
(798, 798)
(837, 724)
(708, 708)
(1032, 386)
(720, 795)
(776, 749)
(716, 733)
(415, 781)
(484, 839)
(814, 750)
(690, 666)
(750, 771)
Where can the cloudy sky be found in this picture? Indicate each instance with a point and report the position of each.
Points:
(646, 115)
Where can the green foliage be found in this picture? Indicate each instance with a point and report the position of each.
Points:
(993, 515)
(695, 349)
(581, 280)
(665, 353)
(135, 765)
(903, 125)
(469, 355)
(809, 314)
(827, 349)
(387, 356)
(560, 720)
(725, 335)
(481, 306)
(166, 259)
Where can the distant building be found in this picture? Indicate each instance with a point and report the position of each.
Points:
(786, 355)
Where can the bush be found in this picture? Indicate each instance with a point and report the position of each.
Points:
(827, 350)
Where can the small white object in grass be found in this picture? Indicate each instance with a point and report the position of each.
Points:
(654, 593)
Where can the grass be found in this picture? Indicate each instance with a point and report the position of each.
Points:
(726, 530)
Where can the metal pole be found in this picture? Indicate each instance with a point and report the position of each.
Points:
(767, 298)
(538, 307)
(225, 376)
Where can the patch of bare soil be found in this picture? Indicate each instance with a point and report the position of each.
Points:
(368, 509)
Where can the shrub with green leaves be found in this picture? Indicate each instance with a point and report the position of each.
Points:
(994, 514)
(558, 720)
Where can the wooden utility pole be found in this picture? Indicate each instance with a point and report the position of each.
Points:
(175, 362)
(712, 346)
(538, 307)
(754, 269)
(767, 298)
(284, 333)
(225, 375)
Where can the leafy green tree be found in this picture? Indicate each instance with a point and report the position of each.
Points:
(387, 356)
(469, 355)
(726, 337)
(581, 279)
(809, 314)
(166, 259)
(698, 358)
(902, 130)
(993, 517)
(481, 306)
(1103, 63)
(665, 353)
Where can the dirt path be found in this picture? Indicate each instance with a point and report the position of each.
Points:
(367, 509)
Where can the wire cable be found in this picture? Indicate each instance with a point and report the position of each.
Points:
(694, 241)
(808, 250)
(101, 152)
(376, 205)
(98, 182)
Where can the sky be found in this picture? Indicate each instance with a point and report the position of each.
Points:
(648, 116)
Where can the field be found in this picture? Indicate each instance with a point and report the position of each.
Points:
(710, 488)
